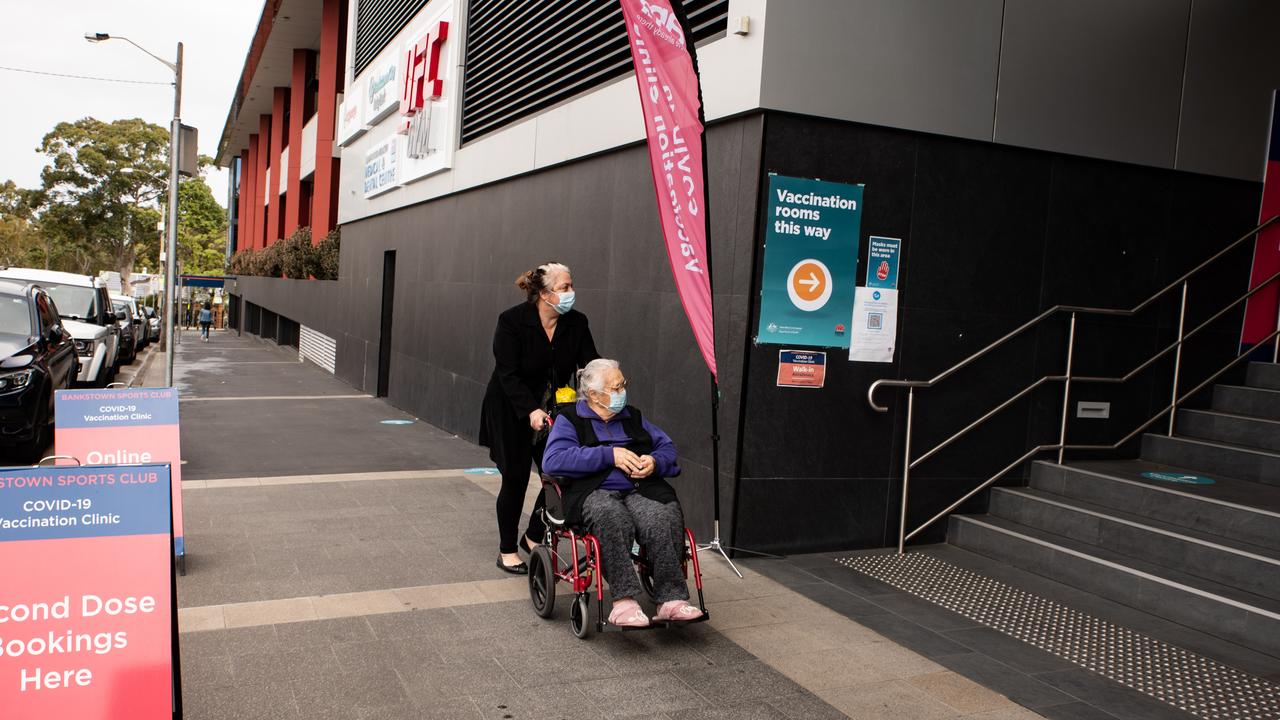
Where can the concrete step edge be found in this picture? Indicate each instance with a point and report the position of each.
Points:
(1172, 584)
(1233, 416)
(1066, 504)
(1171, 491)
(1217, 445)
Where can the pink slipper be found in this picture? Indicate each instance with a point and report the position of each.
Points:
(677, 611)
(627, 613)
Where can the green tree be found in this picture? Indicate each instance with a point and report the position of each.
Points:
(20, 236)
(103, 185)
(202, 229)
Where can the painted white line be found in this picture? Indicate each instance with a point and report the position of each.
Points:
(1125, 569)
(1148, 528)
(217, 483)
(274, 397)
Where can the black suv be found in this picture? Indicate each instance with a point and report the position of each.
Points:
(36, 358)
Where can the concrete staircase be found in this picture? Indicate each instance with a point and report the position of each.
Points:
(1197, 542)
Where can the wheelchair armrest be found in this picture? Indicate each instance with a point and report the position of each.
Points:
(553, 497)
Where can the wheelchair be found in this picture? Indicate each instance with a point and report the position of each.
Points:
(576, 563)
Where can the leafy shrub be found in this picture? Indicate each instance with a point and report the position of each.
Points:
(297, 257)
(326, 256)
(294, 257)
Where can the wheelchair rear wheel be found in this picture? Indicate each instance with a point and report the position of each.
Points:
(579, 616)
(542, 581)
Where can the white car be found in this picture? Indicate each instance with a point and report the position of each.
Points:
(85, 308)
(141, 333)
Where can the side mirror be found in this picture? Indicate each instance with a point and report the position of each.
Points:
(55, 334)
(122, 315)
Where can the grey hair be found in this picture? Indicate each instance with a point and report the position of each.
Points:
(591, 377)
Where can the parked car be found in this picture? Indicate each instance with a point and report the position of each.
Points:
(87, 314)
(36, 357)
(153, 323)
(140, 336)
(129, 331)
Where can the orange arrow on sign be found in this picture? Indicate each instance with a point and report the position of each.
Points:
(809, 281)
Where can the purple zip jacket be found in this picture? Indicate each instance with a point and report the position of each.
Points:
(565, 455)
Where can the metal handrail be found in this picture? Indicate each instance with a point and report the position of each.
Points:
(871, 391)
(1067, 378)
(1061, 447)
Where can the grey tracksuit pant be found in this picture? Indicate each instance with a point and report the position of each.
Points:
(616, 518)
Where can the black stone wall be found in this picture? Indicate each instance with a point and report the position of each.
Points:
(992, 236)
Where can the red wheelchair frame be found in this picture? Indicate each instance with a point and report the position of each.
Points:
(585, 569)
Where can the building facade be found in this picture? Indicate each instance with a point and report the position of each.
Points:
(1027, 153)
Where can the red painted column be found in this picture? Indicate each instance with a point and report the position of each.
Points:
(264, 155)
(293, 213)
(329, 64)
(242, 200)
(253, 196)
(275, 216)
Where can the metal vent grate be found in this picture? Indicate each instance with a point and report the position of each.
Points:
(1189, 682)
(523, 57)
(377, 22)
(318, 348)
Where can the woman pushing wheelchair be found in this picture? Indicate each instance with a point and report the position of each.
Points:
(613, 465)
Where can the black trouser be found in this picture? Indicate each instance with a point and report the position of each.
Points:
(521, 453)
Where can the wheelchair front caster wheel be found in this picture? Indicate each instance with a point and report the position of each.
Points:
(579, 617)
(542, 581)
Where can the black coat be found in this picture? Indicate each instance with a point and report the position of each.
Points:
(525, 365)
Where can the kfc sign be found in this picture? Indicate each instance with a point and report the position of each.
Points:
(421, 77)
(421, 86)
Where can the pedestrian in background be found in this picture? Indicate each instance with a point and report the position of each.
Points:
(206, 319)
(538, 346)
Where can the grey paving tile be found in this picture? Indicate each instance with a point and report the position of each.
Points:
(715, 647)
(1005, 679)
(445, 709)
(323, 633)
(1111, 697)
(744, 710)
(805, 706)
(561, 701)
(1074, 711)
(348, 690)
(840, 600)
(661, 693)
(237, 702)
(201, 670)
(532, 670)
(922, 612)
(1009, 650)
(912, 636)
(451, 680)
(746, 680)
(235, 641)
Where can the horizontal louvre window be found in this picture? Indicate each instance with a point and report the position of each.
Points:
(524, 57)
(377, 22)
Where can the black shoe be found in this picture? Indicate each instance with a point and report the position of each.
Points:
(520, 569)
(524, 547)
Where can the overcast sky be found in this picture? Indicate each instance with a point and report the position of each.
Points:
(48, 35)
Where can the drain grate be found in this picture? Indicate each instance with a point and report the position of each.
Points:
(1187, 681)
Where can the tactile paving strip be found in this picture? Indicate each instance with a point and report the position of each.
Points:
(1187, 681)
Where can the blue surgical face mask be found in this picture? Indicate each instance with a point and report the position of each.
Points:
(566, 302)
(617, 401)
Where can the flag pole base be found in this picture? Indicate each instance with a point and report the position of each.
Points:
(716, 546)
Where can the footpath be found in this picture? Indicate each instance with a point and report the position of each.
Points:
(340, 566)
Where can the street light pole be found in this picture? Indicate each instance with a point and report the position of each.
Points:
(171, 249)
(171, 253)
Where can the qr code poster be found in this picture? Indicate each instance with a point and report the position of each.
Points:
(874, 325)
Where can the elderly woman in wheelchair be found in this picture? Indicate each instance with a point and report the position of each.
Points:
(609, 467)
